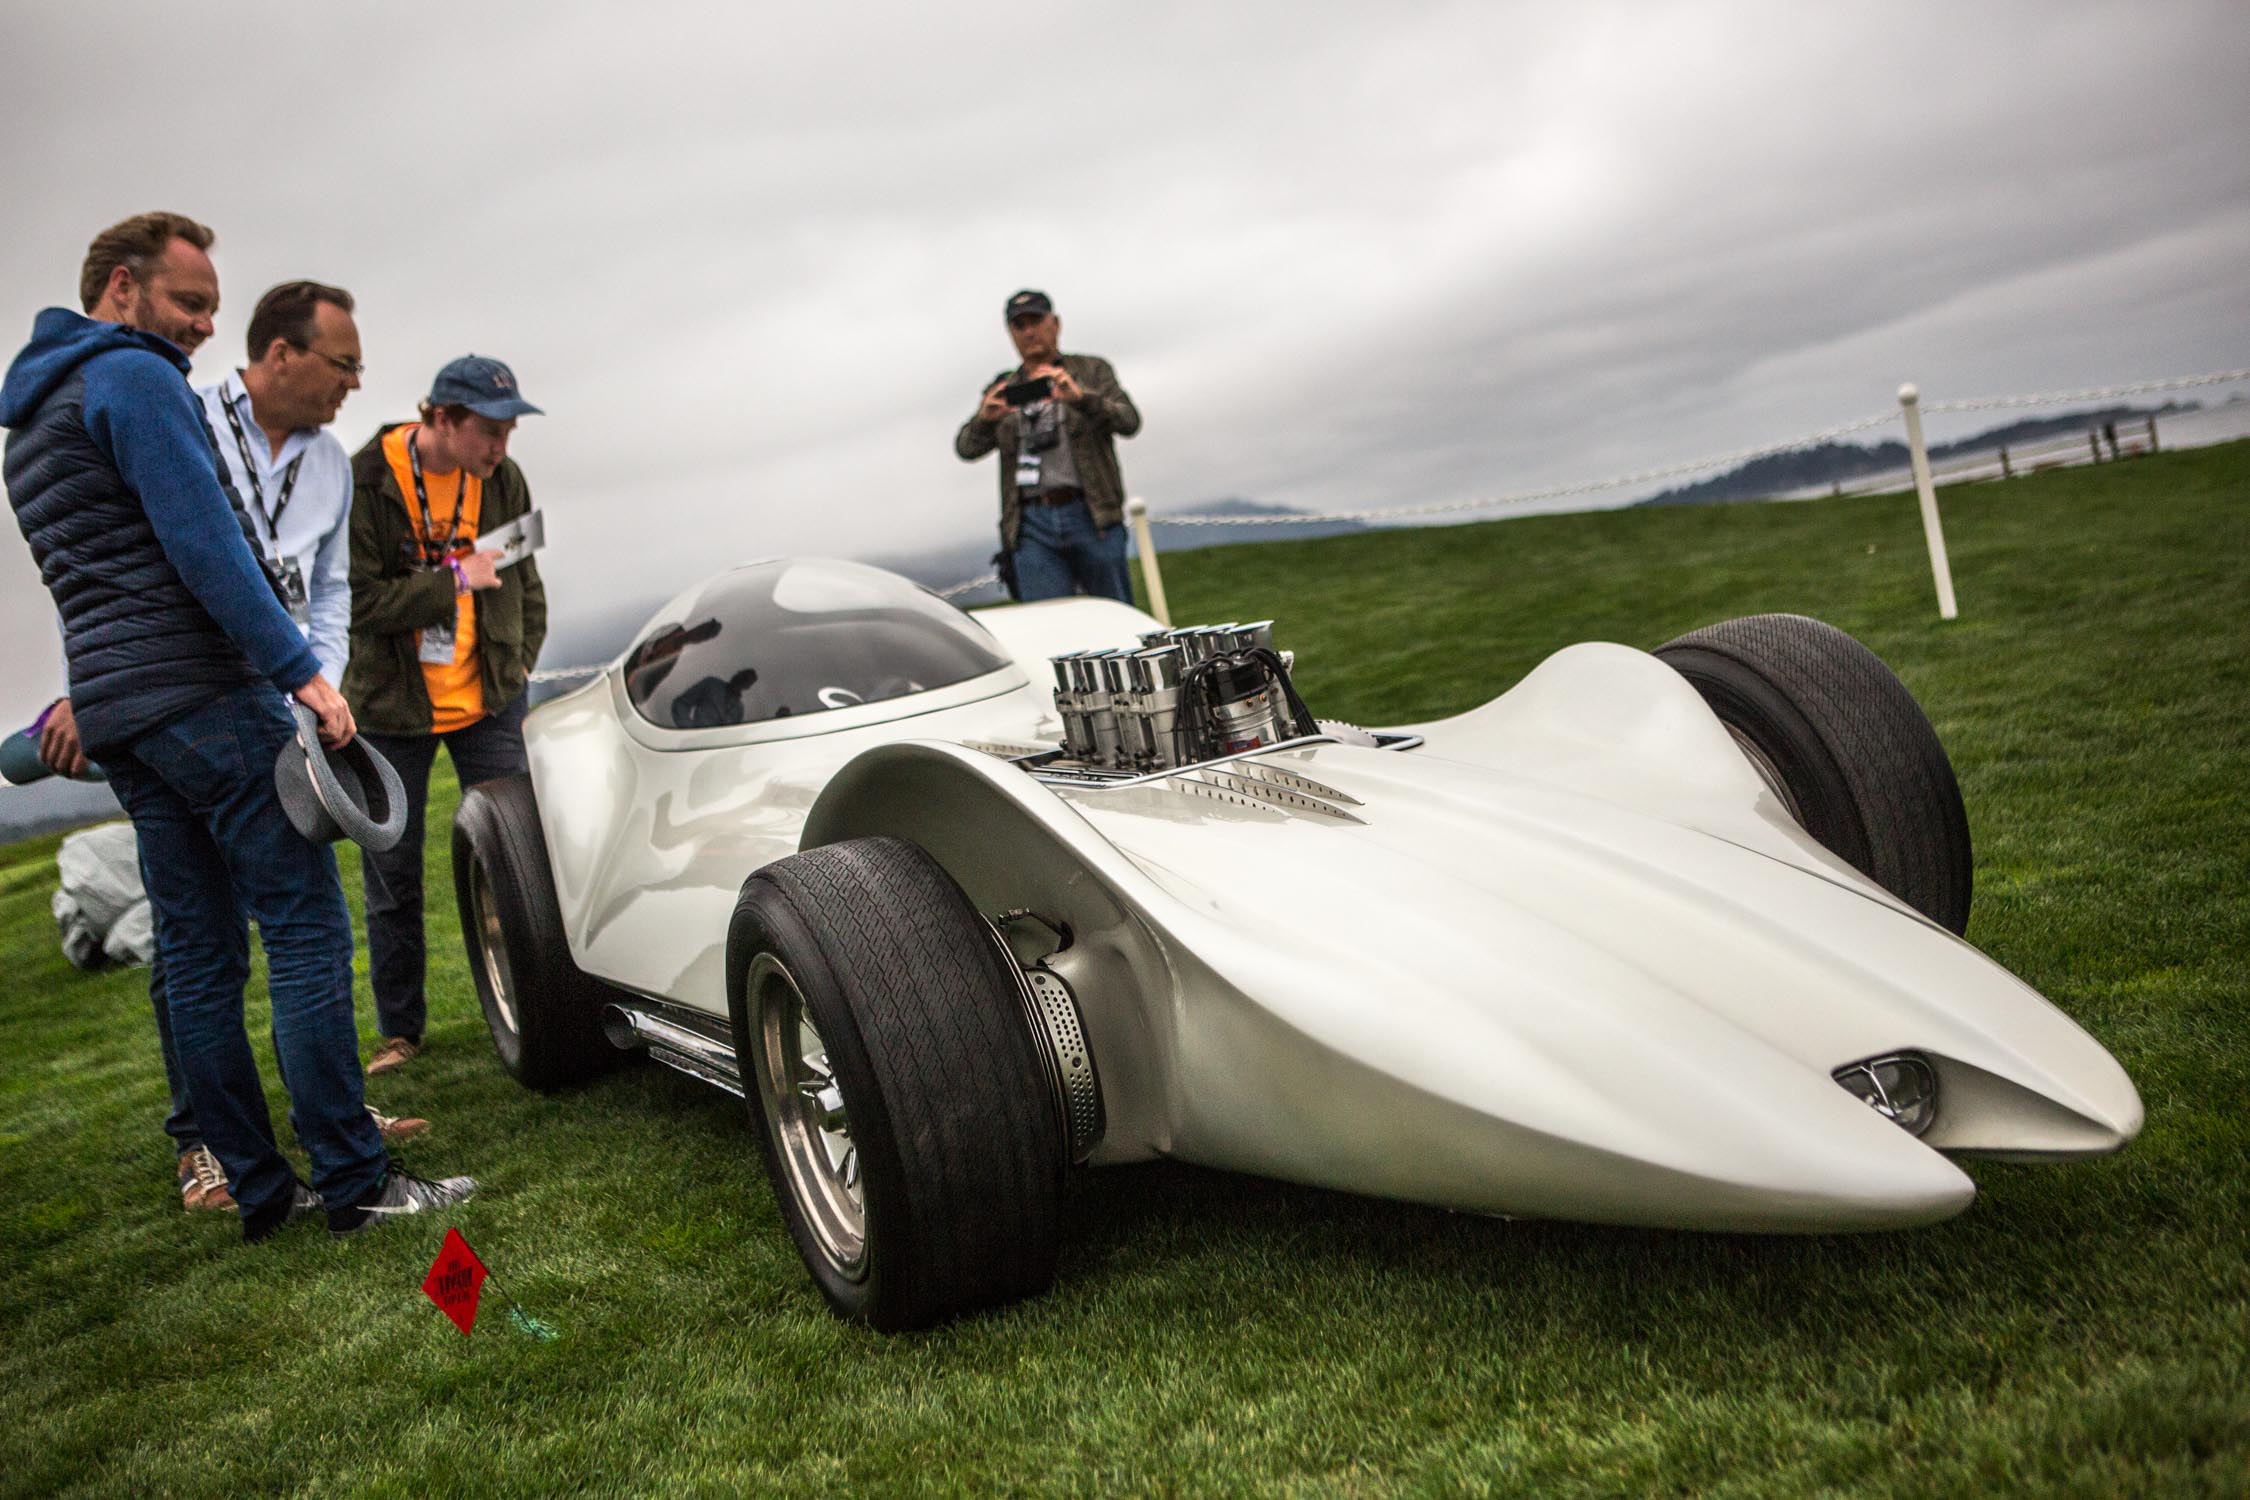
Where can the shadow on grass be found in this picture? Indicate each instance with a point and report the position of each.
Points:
(1154, 1225)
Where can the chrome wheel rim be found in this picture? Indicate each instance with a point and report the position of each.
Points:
(492, 948)
(806, 1119)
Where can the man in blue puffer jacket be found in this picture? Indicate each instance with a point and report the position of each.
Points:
(176, 642)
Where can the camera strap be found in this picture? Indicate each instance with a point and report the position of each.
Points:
(225, 481)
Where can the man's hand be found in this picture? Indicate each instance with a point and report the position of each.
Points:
(1067, 390)
(59, 749)
(336, 726)
(480, 570)
(993, 408)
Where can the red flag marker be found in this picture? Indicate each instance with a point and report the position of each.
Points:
(455, 1280)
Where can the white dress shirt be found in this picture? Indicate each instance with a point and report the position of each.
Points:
(315, 526)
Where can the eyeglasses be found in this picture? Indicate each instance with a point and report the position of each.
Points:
(351, 367)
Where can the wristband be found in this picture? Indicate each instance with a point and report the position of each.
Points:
(460, 579)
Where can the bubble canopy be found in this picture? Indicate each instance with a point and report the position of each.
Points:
(796, 636)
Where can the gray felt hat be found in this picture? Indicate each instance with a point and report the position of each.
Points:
(352, 793)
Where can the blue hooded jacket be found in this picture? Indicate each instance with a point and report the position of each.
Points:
(114, 480)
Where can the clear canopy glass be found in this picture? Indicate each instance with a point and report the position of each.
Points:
(781, 639)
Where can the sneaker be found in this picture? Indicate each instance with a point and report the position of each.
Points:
(203, 1182)
(401, 1193)
(395, 1053)
(396, 1129)
(303, 1202)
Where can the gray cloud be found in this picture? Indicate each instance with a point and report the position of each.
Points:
(751, 259)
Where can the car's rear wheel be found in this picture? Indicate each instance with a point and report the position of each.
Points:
(1843, 743)
(543, 1011)
(907, 1128)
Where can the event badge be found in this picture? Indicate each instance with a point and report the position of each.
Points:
(289, 579)
(1027, 471)
(437, 640)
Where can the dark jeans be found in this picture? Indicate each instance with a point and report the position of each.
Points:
(397, 954)
(217, 851)
(1059, 551)
(179, 1124)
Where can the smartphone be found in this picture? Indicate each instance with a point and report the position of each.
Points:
(1024, 392)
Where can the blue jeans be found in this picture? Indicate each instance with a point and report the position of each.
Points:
(179, 1123)
(397, 947)
(1060, 552)
(217, 851)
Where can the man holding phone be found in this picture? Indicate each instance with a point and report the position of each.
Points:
(1062, 499)
(445, 631)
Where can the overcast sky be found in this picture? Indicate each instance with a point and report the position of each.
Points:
(751, 258)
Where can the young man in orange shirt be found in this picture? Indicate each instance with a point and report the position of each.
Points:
(443, 641)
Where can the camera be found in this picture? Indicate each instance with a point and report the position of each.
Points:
(1024, 392)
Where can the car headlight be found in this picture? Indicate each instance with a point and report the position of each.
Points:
(1901, 1087)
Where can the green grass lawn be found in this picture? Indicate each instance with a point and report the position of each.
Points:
(2081, 1330)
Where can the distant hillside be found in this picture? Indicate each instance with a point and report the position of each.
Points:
(1833, 463)
(1172, 538)
(943, 566)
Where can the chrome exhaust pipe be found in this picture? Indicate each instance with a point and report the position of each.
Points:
(675, 1046)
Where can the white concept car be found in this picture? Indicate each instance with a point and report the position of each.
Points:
(956, 902)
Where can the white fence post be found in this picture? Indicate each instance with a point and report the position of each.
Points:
(1910, 400)
(1136, 509)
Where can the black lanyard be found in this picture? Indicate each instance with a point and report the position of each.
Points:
(422, 498)
(257, 485)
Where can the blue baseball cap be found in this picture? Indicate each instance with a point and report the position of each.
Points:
(485, 386)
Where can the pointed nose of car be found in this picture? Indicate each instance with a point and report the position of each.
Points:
(1567, 1088)
(1504, 997)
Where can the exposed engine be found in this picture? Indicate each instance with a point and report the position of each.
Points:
(1180, 697)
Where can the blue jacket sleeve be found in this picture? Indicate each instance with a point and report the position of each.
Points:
(141, 410)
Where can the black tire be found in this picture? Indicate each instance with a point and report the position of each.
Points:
(543, 1011)
(944, 1105)
(1862, 767)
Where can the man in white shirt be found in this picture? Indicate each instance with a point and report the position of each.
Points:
(269, 424)
(269, 420)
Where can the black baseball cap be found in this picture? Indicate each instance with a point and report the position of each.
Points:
(1031, 303)
(485, 386)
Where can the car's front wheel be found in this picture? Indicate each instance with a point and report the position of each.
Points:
(907, 1128)
(1845, 745)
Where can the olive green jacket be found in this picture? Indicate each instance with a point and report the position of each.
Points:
(1105, 412)
(394, 596)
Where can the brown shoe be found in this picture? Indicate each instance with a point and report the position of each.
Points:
(203, 1183)
(395, 1053)
(396, 1129)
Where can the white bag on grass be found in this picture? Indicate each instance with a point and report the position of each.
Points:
(132, 939)
(101, 908)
